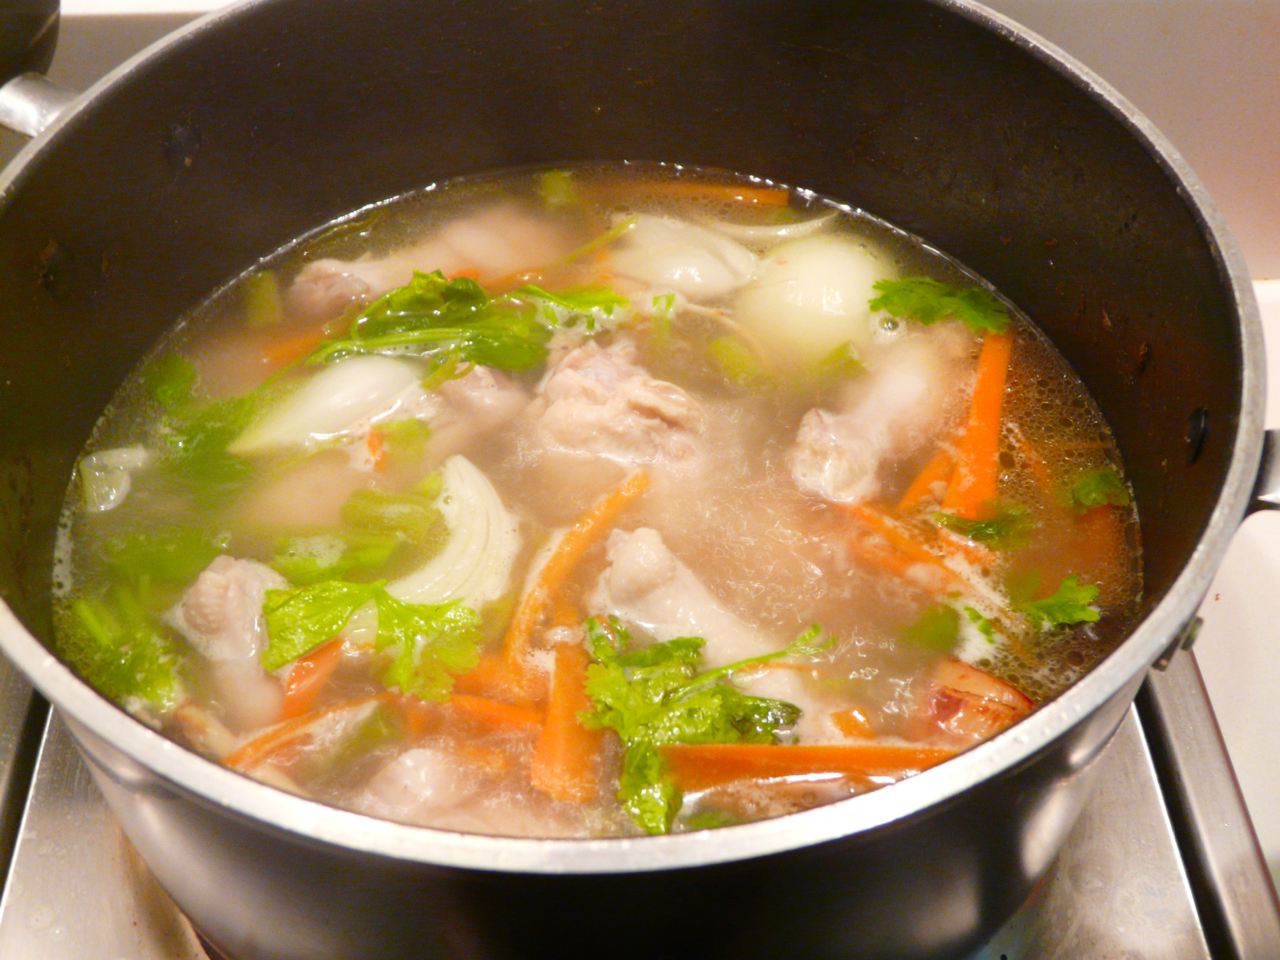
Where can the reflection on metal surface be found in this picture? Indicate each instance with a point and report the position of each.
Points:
(1118, 890)
(16, 701)
(76, 888)
(1238, 902)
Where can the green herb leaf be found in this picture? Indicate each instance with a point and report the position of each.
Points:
(1070, 603)
(985, 626)
(929, 301)
(558, 189)
(593, 307)
(936, 630)
(405, 441)
(161, 560)
(738, 363)
(263, 304)
(301, 619)
(414, 517)
(840, 364)
(121, 650)
(1010, 527)
(1100, 488)
(334, 556)
(653, 696)
(170, 381)
(197, 438)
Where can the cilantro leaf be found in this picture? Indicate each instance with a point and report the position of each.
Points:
(1009, 528)
(653, 696)
(170, 381)
(427, 643)
(1100, 488)
(593, 307)
(985, 627)
(937, 629)
(929, 301)
(121, 650)
(1070, 603)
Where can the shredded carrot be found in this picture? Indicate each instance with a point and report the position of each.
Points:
(495, 713)
(565, 614)
(853, 723)
(535, 604)
(564, 759)
(492, 678)
(974, 481)
(902, 541)
(1035, 464)
(307, 677)
(928, 482)
(492, 760)
(692, 189)
(902, 567)
(377, 443)
(419, 716)
(701, 766)
(282, 352)
(275, 739)
(976, 553)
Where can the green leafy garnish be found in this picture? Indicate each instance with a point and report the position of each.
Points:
(985, 627)
(197, 436)
(928, 301)
(840, 364)
(118, 647)
(428, 644)
(1100, 488)
(330, 556)
(263, 305)
(557, 189)
(738, 363)
(937, 629)
(414, 516)
(155, 563)
(170, 381)
(1009, 527)
(654, 695)
(710, 818)
(454, 323)
(1070, 603)
(405, 441)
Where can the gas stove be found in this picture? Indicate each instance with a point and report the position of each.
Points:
(1162, 863)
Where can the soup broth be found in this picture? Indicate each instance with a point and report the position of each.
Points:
(596, 501)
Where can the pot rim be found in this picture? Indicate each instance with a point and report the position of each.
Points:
(305, 820)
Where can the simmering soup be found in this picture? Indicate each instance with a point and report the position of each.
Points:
(596, 501)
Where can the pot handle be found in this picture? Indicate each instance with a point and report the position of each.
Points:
(1266, 490)
(28, 32)
(30, 102)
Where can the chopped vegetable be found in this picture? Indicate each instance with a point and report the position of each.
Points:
(928, 301)
(1070, 603)
(853, 723)
(615, 232)
(155, 562)
(975, 481)
(558, 189)
(106, 477)
(1010, 526)
(411, 516)
(404, 441)
(495, 713)
(702, 766)
(936, 630)
(653, 696)
(738, 363)
(928, 482)
(170, 381)
(985, 627)
(298, 729)
(263, 305)
(566, 757)
(308, 677)
(596, 308)
(540, 598)
(1099, 488)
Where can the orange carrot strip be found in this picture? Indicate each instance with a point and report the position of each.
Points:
(564, 758)
(495, 713)
(924, 487)
(420, 717)
(492, 678)
(267, 744)
(535, 604)
(307, 678)
(284, 351)
(691, 189)
(377, 443)
(1036, 465)
(701, 766)
(565, 614)
(974, 482)
(976, 553)
(853, 723)
(902, 567)
(898, 535)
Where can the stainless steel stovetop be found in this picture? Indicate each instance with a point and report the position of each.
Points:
(1162, 864)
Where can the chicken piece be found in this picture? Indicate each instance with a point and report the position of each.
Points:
(492, 242)
(670, 254)
(904, 402)
(418, 786)
(220, 615)
(599, 402)
(963, 705)
(474, 405)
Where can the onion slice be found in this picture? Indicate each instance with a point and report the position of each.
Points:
(484, 538)
(763, 234)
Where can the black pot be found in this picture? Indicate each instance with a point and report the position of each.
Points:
(255, 124)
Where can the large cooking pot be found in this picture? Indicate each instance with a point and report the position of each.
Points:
(253, 125)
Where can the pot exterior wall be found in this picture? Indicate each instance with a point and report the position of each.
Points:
(934, 886)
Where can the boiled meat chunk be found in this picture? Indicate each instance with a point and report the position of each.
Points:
(418, 785)
(907, 400)
(220, 615)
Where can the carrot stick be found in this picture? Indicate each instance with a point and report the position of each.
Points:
(974, 482)
(853, 723)
(701, 766)
(284, 351)
(902, 567)
(269, 743)
(492, 678)
(307, 678)
(925, 486)
(535, 604)
(1035, 463)
(495, 713)
(564, 759)
(902, 542)
(692, 189)
(377, 443)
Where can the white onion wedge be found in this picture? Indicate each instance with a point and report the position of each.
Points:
(667, 253)
(353, 393)
(484, 538)
(763, 234)
(106, 476)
